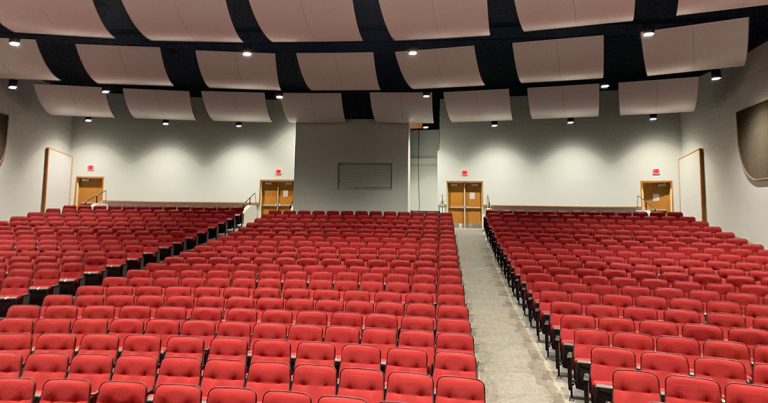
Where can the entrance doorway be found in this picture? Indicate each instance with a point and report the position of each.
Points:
(276, 196)
(89, 190)
(465, 203)
(656, 195)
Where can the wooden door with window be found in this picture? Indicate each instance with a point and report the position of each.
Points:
(656, 195)
(276, 196)
(465, 203)
(89, 190)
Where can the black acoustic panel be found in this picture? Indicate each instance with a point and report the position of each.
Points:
(370, 21)
(64, 62)
(245, 22)
(182, 68)
(752, 126)
(3, 136)
(497, 64)
(289, 73)
(388, 70)
(116, 19)
(357, 105)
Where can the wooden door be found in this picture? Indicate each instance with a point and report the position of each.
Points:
(89, 190)
(657, 195)
(456, 202)
(285, 195)
(269, 196)
(474, 203)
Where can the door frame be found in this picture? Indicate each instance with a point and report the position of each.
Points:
(261, 191)
(464, 207)
(77, 186)
(671, 191)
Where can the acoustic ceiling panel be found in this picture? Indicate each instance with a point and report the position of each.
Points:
(53, 17)
(183, 20)
(684, 49)
(535, 15)
(159, 104)
(231, 70)
(435, 19)
(24, 62)
(478, 106)
(685, 7)
(339, 71)
(441, 68)
(401, 107)
(573, 101)
(677, 95)
(69, 100)
(568, 59)
(236, 106)
(307, 20)
(313, 107)
(124, 65)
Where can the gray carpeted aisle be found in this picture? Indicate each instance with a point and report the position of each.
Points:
(511, 363)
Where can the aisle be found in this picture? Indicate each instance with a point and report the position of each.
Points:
(510, 362)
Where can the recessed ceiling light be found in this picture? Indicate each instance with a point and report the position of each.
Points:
(717, 75)
(494, 124)
(605, 86)
(13, 85)
(238, 124)
(14, 42)
(570, 121)
(649, 33)
(425, 127)
(88, 120)
(166, 122)
(247, 53)
(279, 96)
(653, 117)
(426, 95)
(105, 90)
(413, 52)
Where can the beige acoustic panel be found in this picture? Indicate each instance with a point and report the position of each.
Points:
(236, 106)
(536, 15)
(686, 7)
(572, 101)
(124, 65)
(676, 95)
(441, 68)
(435, 19)
(569, 59)
(24, 62)
(478, 106)
(313, 107)
(232, 70)
(159, 104)
(401, 107)
(70, 100)
(183, 20)
(307, 20)
(688, 48)
(53, 17)
(339, 71)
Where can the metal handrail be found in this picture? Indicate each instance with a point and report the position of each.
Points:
(250, 200)
(96, 198)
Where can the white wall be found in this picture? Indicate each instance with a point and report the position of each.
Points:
(321, 147)
(30, 131)
(597, 162)
(200, 161)
(424, 146)
(733, 202)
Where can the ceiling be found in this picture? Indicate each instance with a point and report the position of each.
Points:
(358, 46)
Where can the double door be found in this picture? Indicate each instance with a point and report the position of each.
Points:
(465, 203)
(276, 196)
(656, 195)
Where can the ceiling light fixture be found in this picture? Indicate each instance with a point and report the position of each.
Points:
(425, 127)
(105, 90)
(279, 96)
(653, 117)
(649, 33)
(413, 52)
(717, 75)
(605, 86)
(570, 121)
(426, 95)
(14, 42)
(238, 124)
(88, 120)
(494, 124)
(13, 85)
(247, 53)
(166, 122)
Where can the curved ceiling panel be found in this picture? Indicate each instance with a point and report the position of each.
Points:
(24, 62)
(124, 65)
(441, 68)
(183, 20)
(313, 108)
(70, 100)
(236, 106)
(568, 59)
(676, 95)
(339, 71)
(401, 107)
(685, 7)
(159, 104)
(435, 19)
(231, 70)
(536, 15)
(53, 17)
(572, 101)
(478, 106)
(307, 20)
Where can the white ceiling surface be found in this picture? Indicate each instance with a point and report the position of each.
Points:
(307, 20)
(401, 107)
(236, 106)
(313, 107)
(70, 100)
(339, 71)
(124, 65)
(435, 19)
(24, 62)
(53, 17)
(231, 70)
(441, 68)
(568, 59)
(182, 20)
(676, 95)
(573, 101)
(685, 7)
(478, 106)
(713, 45)
(159, 104)
(536, 15)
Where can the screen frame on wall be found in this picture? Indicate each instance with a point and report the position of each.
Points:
(747, 121)
(46, 170)
(702, 181)
(3, 136)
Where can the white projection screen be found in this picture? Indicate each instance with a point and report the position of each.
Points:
(692, 195)
(57, 179)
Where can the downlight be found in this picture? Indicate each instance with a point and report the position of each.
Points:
(88, 120)
(649, 33)
(426, 95)
(717, 75)
(279, 96)
(653, 117)
(425, 127)
(570, 121)
(238, 124)
(13, 85)
(605, 86)
(14, 42)
(166, 122)
(494, 124)
(413, 52)
(106, 90)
